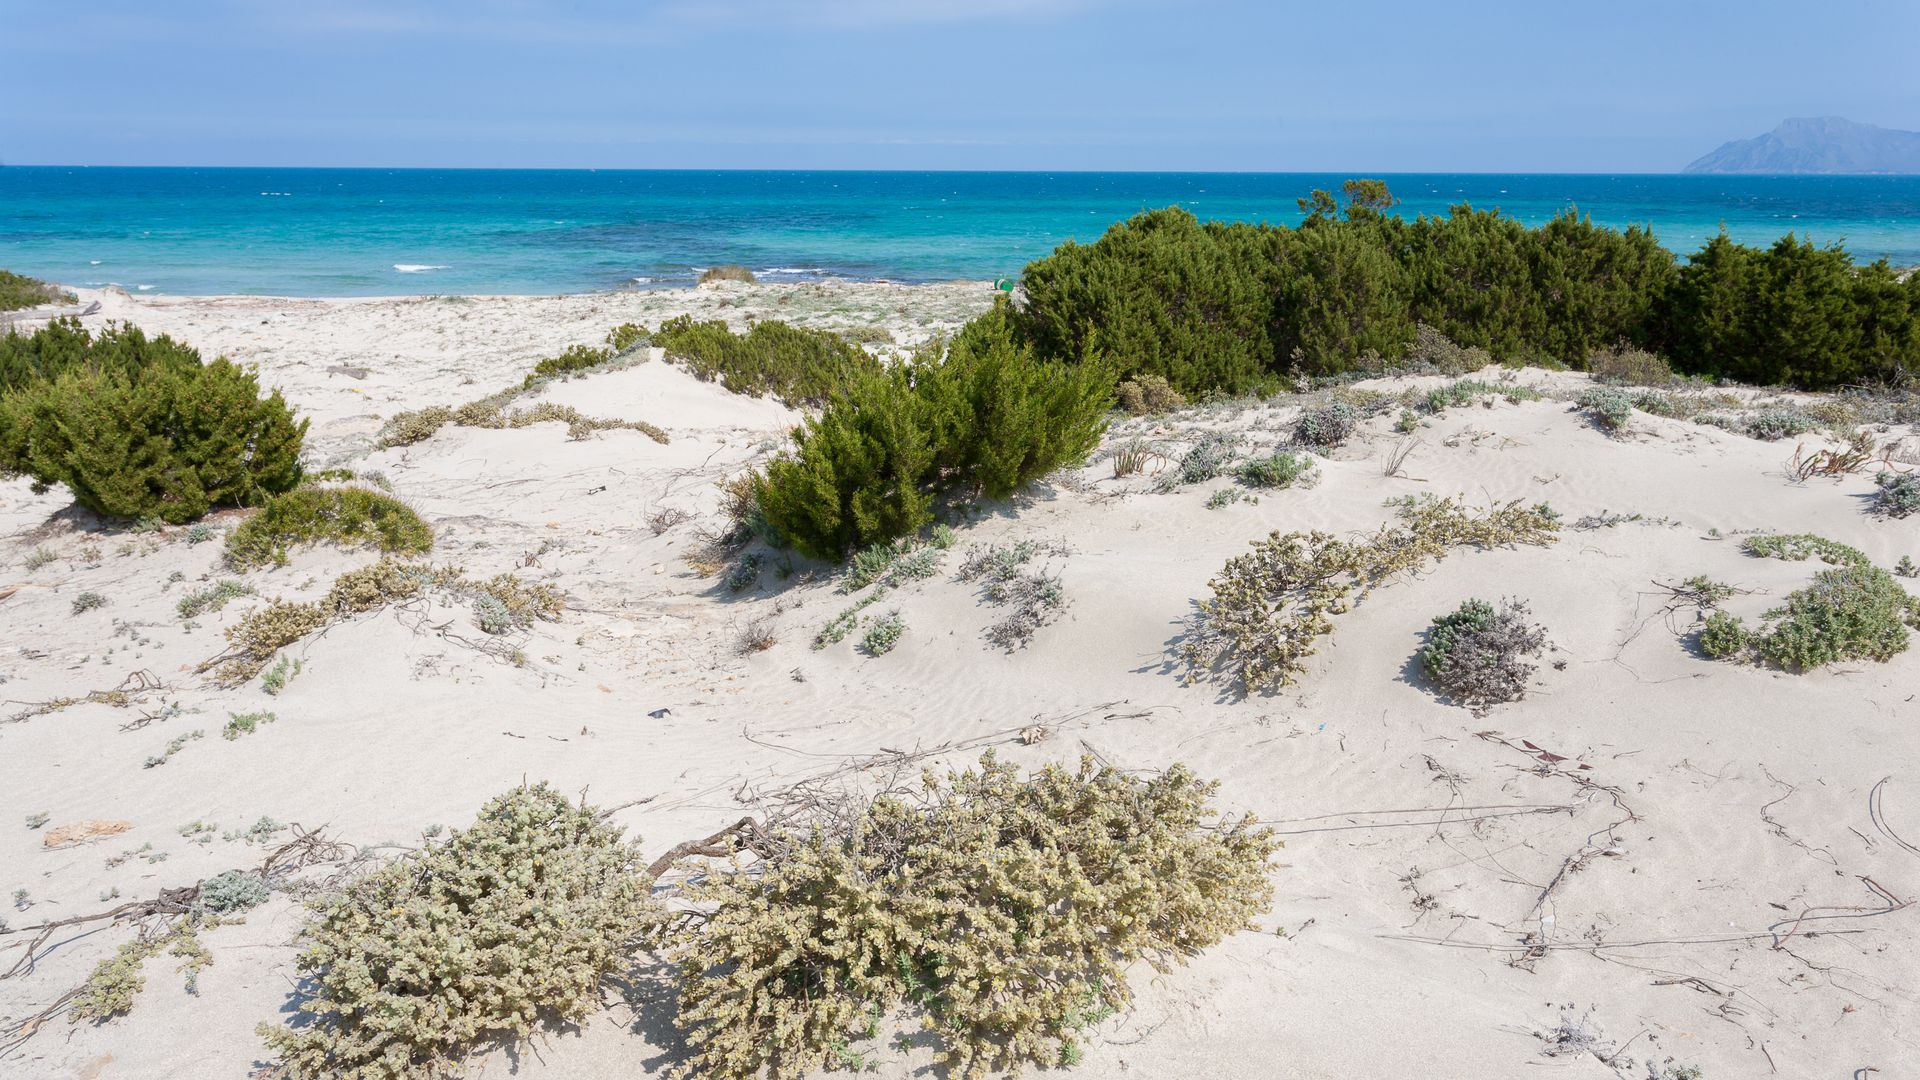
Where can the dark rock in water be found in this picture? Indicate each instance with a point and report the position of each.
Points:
(1821, 144)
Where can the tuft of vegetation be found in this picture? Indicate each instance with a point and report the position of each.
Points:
(576, 360)
(1006, 911)
(1032, 597)
(1609, 407)
(239, 724)
(345, 516)
(1897, 494)
(212, 598)
(1851, 611)
(407, 428)
(518, 920)
(726, 272)
(1269, 606)
(138, 428)
(88, 601)
(1479, 655)
(1326, 427)
(793, 365)
(1148, 394)
(883, 633)
(19, 292)
(232, 892)
(1624, 365)
(274, 680)
(1278, 470)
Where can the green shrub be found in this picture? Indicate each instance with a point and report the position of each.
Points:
(139, 428)
(347, 516)
(999, 418)
(1848, 613)
(855, 475)
(979, 416)
(1343, 299)
(1277, 470)
(1898, 494)
(1791, 314)
(576, 359)
(1006, 911)
(1852, 611)
(18, 291)
(626, 336)
(1161, 294)
(1724, 635)
(726, 272)
(516, 921)
(788, 363)
(233, 891)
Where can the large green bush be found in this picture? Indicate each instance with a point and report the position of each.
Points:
(982, 416)
(857, 473)
(138, 427)
(999, 418)
(1005, 911)
(1227, 309)
(511, 923)
(1162, 294)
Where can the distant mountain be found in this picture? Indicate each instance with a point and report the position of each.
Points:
(1818, 144)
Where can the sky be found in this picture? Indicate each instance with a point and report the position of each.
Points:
(1174, 85)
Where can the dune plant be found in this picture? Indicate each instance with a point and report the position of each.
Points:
(1478, 654)
(1270, 605)
(312, 514)
(1851, 611)
(980, 416)
(139, 428)
(790, 364)
(514, 922)
(1005, 911)
(18, 291)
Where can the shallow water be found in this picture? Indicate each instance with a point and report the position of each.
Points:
(343, 232)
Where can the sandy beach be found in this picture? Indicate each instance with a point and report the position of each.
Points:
(1653, 861)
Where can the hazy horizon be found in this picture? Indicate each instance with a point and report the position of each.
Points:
(937, 85)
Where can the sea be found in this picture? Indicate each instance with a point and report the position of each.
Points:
(379, 232)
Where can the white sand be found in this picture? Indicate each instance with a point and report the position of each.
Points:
(1709, 887)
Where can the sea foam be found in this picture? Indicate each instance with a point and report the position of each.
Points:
(416, 268)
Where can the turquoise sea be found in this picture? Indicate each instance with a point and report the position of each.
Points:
(341, 232)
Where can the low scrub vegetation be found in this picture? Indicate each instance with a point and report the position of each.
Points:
(1851, 611)
(514, 922)
(727, 272)
(790, 364)
(1005, 911)
(1269, 606)
(311, 514)
(1478, 654)
(137, 427)
(18, 292)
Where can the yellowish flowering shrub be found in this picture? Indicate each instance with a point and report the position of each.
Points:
(1004, 911)
(508, 924)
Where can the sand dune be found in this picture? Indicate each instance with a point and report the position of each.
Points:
(1703, 864)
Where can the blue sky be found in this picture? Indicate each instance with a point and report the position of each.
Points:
(940, 84)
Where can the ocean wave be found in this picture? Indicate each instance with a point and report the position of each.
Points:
(796, 270)
(416, 268)
(143, 288)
